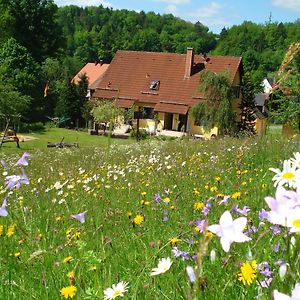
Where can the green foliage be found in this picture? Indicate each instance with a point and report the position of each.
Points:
(12, 103)
(106, 111)
(217, 109)
(262, 46)
(247, 106)
(97, 32)
(35, 27)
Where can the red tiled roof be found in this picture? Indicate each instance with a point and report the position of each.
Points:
(130, 73)
(125, 103)
(92, 70)
(174, 108)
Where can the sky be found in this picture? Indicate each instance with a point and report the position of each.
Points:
(213, 14)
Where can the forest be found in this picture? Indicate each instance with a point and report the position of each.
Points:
(43, 45)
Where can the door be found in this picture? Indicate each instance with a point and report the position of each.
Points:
(168, 121)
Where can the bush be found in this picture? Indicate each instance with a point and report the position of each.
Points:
(28, 127)
(142, 134)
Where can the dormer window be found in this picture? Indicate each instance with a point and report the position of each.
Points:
(154, 85)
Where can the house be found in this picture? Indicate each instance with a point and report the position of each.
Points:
(92, 71)
(260, 101)
(163, 87)
(261, 112)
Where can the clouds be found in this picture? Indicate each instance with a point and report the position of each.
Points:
(287, 4)
(83, 3)
(207, 11)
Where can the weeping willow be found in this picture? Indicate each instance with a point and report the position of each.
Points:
(216, 110)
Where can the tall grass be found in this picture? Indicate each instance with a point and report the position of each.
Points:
(165, 182)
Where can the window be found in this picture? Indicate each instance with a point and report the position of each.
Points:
(145, 113)
(154, 85)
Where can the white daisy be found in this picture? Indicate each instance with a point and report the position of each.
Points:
(163, 266)
(290, 175)
(117, 290)
(296, 160)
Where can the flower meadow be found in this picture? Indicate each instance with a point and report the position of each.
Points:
(153, 220)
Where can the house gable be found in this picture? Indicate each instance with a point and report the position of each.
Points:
(131, 73)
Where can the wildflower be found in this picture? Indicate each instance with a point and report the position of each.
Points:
(68, 292)
(116, 290)
(230, 230)
(248, 272)
(80, 217)
(212, 255)
(22, 161)
(166, 200)
(244, 211)
(282, 271)
(296, 160)
(163, 266)
(198, 206)
(11, 230)
(138, 220)
(174, 241)
(68, 259)
(288, 176)
(143, 193)
(157, 198)
(71, 277)
(1, 230)
(16, 181)
(285, 208)
(93, 268)
(129, 214)
(3, 211)
(191, 274)
(17, 254)
(295, 294)
(236, 195)
(178, 253)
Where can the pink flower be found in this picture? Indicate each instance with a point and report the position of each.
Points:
(3, 211)
(22, 160)
(230, 230)
(80, 217)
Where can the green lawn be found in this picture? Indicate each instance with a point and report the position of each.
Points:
(57, 134)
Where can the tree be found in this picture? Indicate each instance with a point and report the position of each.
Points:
(12, 103)
(247, 106)
(34, 26)
(18, 69)
(106, 111)
(216, 109)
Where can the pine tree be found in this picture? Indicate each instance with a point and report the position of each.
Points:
(247, 106)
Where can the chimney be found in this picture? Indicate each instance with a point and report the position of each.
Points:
(189, 61)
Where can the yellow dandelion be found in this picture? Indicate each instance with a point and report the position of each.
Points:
(248, 272)
(218, 179)
(11, 230)
(129, 214)
(196, 192)
(236, 195)
(93, 268)
(143, 193)
(213, 189)
(68, 292)
(67, 259)
(173, 241)
(167, 200)
(138, 220)
(1, 229)
(17, 254)
(198, 205)
(209, 234)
